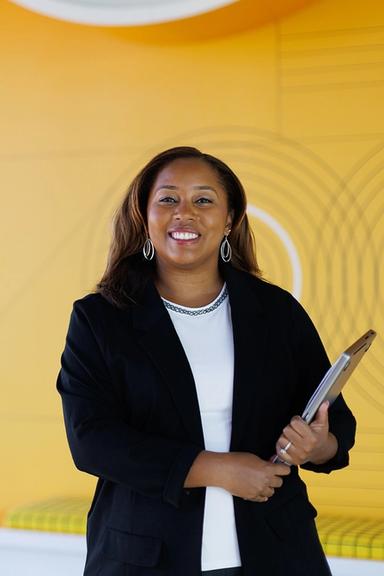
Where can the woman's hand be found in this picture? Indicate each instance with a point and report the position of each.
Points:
(251, 478)
(241, 473)
(300, 442)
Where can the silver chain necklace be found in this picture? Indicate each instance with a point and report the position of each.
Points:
(198, 311)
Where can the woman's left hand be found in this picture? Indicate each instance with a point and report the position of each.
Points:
(300, 442)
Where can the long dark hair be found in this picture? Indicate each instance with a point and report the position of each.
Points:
(127, 271)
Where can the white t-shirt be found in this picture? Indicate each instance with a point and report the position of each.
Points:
(207, 339)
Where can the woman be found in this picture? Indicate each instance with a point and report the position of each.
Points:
(179, 381)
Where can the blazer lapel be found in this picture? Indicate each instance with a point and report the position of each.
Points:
(158, 337)
(250, 335)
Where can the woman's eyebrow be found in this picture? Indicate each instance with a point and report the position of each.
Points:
(204, 187)
(166, 187)
(198, 187)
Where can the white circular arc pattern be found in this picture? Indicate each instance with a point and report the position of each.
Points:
(287, 241)
(122, 12)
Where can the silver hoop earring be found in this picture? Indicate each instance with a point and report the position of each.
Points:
(225, 250)
(148, 249)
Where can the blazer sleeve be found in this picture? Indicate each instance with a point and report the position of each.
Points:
(102, 442)
(313, 362)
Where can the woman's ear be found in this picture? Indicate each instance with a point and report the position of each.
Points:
(228, 225)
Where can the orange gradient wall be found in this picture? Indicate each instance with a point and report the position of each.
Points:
(294, 106)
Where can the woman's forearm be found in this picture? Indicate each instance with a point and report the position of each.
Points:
(240, 473)
(205, 470)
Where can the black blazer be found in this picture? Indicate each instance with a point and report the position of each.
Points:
(132, 419)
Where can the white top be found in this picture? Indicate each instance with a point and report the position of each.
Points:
(207, 339)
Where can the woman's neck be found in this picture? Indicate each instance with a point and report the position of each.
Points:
(189, 289)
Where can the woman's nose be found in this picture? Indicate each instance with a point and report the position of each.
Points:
(185, 211)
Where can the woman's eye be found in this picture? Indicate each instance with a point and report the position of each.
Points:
(167, 200)
(204, 201)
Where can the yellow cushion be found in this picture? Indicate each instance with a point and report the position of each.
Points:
(345, 537)
(349, 537)
(66, 515)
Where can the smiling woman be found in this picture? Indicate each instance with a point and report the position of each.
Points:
(181, 377)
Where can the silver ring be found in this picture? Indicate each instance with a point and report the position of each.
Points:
(284, 450)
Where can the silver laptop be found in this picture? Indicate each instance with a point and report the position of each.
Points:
(334, 380)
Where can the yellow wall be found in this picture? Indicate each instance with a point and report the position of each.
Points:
(295, 107)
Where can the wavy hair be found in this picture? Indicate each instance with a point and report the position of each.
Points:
(127, 271)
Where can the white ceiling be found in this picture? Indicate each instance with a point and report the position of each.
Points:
(122, 12)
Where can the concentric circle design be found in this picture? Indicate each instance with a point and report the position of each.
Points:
(364, 266)
(288, 244)
(122, 12)
(317, 234)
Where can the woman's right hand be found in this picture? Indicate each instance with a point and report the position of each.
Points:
(249, 477)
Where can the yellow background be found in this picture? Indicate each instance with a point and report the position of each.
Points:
(294, 106)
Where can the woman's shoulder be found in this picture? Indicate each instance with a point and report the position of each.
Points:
(270, 289)
(284, 309)
(274, 301)
(95, 305)
(94, 314)
(91, 301)
(265, 289)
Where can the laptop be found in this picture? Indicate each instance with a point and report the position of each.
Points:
(337, 375)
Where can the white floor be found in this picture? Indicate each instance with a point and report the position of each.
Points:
(27, 553)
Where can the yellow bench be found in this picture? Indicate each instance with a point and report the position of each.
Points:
(348, 537)
(66, 515)
(344, 537)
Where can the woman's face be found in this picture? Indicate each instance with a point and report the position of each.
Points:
(187, 215)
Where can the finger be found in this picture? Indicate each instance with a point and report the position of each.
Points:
(299, 426)
(257, 499)
(295, 435)
(262, 499)
(276, 482)
(295, 454)
(285, 448)
(292, 447)
(282, 446)
(280, 443)
(299, 454)
(305, 438)
(281, 470)
(285, 459)
(264, 496)
(322, 414)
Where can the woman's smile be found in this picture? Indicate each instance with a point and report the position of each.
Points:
(181, 235)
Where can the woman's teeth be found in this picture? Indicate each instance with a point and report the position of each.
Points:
(184, 235)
